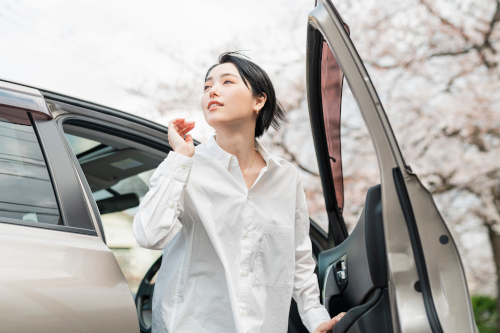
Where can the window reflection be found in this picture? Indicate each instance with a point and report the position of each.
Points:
(27, 193)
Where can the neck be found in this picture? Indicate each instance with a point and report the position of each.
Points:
(239, 144)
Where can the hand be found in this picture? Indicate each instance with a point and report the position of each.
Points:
(328, 325)
(177, 128)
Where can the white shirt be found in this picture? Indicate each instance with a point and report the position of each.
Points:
(232, 257)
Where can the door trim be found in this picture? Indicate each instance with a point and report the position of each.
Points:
(418, 252)
(337, 231)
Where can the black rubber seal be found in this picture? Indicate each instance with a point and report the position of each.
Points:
(416, 245)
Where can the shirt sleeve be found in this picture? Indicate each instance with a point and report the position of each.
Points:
(305, 285)
(157, 221)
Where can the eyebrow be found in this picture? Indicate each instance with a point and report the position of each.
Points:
(225, 74)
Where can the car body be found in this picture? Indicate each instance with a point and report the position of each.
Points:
(398, 271)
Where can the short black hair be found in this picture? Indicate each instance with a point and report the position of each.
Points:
(272, 113)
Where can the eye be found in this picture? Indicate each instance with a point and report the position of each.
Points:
(206, 87)
(228, 81)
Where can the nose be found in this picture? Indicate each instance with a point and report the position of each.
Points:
(214, 92)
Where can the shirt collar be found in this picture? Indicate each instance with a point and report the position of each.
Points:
(224, 157)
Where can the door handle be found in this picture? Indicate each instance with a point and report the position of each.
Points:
(342, 273)
(335, 280)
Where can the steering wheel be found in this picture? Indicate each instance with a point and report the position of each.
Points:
(144, 298)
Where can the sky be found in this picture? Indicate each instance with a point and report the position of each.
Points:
(101, 50)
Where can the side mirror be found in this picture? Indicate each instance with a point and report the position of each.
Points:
(118, 203)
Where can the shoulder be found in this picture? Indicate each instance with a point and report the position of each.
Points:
(280, 161)
(285, 167)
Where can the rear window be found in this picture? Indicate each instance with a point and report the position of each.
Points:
(27, 193)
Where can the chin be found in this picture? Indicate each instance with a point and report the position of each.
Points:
(215, 120)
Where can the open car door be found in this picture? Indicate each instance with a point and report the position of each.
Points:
(399, 270)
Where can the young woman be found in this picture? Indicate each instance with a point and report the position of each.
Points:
(230, 217)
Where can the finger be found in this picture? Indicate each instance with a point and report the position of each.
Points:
(185, 124)
(177, 129)
(186, 130)
(328, 325)
(179, 122)
(189, 139)
(174, 131)
(172, 124)
(338, 317)
(175, 121)
(184, 127)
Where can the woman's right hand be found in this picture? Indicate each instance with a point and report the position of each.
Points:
(177, 128)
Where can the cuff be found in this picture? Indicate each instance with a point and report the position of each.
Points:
(315, 317)
(182, 165)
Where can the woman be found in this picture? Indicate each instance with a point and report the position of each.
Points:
(234, 218)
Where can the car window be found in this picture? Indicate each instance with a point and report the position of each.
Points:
(80, 145)
(27, 193)
(353, 162)
(118, 197)
(359, 160)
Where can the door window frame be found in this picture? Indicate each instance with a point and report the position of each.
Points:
(42, 126)
(107, 127)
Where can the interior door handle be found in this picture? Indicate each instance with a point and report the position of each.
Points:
(342, 273)
(335, 280)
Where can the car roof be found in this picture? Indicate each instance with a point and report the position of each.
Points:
(75, 101)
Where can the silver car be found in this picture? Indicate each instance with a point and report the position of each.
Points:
(397, 271)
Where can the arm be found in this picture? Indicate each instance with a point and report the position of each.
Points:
(305, 285)
(157, 221)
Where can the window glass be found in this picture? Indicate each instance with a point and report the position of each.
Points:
(331, 94)
(80, 145)
(352, 158)
(359, 161)
(27, 193)
(118, 199)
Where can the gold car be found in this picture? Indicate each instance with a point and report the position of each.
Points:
(66, 165)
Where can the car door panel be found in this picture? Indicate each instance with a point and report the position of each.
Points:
(362, 288)
(365, 268)
(368, 317)
(434, 248)
(55, 281)
(411, 223)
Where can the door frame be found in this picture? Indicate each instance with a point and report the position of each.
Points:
(406, 262)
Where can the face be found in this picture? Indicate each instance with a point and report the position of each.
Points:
(227, 101)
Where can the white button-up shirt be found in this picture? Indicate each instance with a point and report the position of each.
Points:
(232, 257)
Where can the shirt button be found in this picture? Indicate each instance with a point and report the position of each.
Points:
(243, 273)
(184, 167)
(242, 312)
(232, 158)
(172, 205)
(248, 196)
(247, 234)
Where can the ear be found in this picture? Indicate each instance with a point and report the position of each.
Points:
(260, 101)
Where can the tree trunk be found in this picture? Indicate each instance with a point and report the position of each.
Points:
(495, 246)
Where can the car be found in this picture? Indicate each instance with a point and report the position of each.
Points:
(66, 163)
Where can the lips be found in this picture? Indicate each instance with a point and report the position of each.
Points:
(212, 105)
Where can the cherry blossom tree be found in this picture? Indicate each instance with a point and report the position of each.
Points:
(435, 67)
